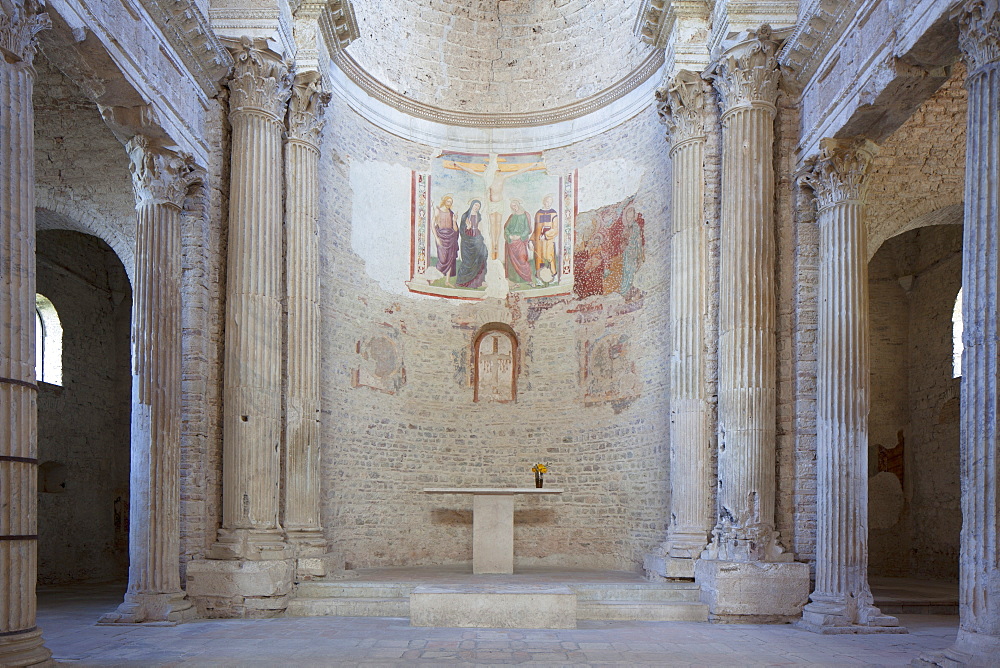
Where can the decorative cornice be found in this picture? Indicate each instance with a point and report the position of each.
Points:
(979, 34)
(159, 175)
(189, 33)
(656, 18)
(821, 23)
(306, 107)
(18, 31)
(682, 106)
(748, 71)
(383, 94)
(338, 24)
(261, 79)
(838, 174)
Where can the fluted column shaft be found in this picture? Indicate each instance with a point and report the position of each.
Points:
(747, 82)
(160, 178)
(690, 443)
(842, 596)
(979, 594)
(20, 641)
(302, 398)
(252, 380)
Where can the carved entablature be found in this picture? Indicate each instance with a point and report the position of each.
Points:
(839, 173)
(192, 37)
(747, 72)
(682, 106)
(261, 79)
(18, 30)
(160, 175)
(821, 24)
(306, 107)
(979, 34)
(339, 25)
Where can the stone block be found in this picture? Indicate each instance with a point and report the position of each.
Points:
(494, 606)
(659, 566)
(228, 579)
(753, 592)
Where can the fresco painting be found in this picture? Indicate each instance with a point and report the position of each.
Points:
(609, 251)
(380, 364)
(485, 225)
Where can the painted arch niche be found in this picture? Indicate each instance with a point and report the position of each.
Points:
(495, 366)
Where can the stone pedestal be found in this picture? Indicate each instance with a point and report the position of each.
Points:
(978, 641)
(493, 534)
(21, 641)
(301, 516)
(246, 589)
(842, 601)
(752, 592)
(161, 179)
(683, 109)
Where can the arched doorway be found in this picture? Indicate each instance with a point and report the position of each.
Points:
(83, 423)
(914, 479)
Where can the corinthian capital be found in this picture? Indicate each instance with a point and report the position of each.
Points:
(306, 107)
(159, 175)
(748, 71)
(261, 79)
(18, 29)
(682, 106)
(979, 34)
(838, 174)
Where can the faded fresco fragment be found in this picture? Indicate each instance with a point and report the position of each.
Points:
(610, 250)
(487, 225)
(381, 361)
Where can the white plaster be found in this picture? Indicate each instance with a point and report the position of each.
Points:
(607, 182)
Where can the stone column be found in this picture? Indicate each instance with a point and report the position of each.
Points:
(684, 111)
(256, 575)
(302, 400)
(842, 600)
(757, 582)
(978, 641)
(161, 178)
(21, 641)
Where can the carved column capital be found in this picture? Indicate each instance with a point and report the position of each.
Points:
(261, 79)
(748, 71)
(979, 32)
(18, 30)
(159, 175)
(682, 106)
(306, 107)
(838, 174)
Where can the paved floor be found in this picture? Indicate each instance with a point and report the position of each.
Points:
(67, 614)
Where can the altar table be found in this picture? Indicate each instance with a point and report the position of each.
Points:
(492, 524)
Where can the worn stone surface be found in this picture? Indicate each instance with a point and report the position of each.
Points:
(494, 606)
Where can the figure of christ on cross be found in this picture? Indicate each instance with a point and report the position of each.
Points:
(494, 176)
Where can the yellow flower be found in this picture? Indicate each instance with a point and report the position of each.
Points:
(540, 468)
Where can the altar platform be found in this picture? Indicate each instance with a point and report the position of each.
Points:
(596, 595)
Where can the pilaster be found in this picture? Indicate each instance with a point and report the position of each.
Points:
(746, 78)
(842, 600)
(302, 395)
(161, 178)
(21, 642)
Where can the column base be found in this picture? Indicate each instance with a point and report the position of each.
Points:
(25, 649)
(240, 588)
(659, 566)
(153, 609)
(311, 557)
(829, 615)
(970, 649)
(753, 592)
(251, 545)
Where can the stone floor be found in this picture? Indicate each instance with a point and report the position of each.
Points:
(67, 615)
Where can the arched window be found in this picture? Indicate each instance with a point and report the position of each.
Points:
(48, 342)
(956, 337)
(495, 363)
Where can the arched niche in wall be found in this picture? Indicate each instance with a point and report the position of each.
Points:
(494, 363)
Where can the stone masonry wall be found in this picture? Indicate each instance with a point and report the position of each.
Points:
(381, 448)
(83, 426)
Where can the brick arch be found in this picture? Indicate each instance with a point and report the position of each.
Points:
(53, 212)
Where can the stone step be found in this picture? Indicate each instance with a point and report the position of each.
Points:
(316, 589)
(349, 607)
(686, 593)
(642, 611)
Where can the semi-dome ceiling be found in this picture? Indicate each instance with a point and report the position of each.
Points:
(498, 56)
